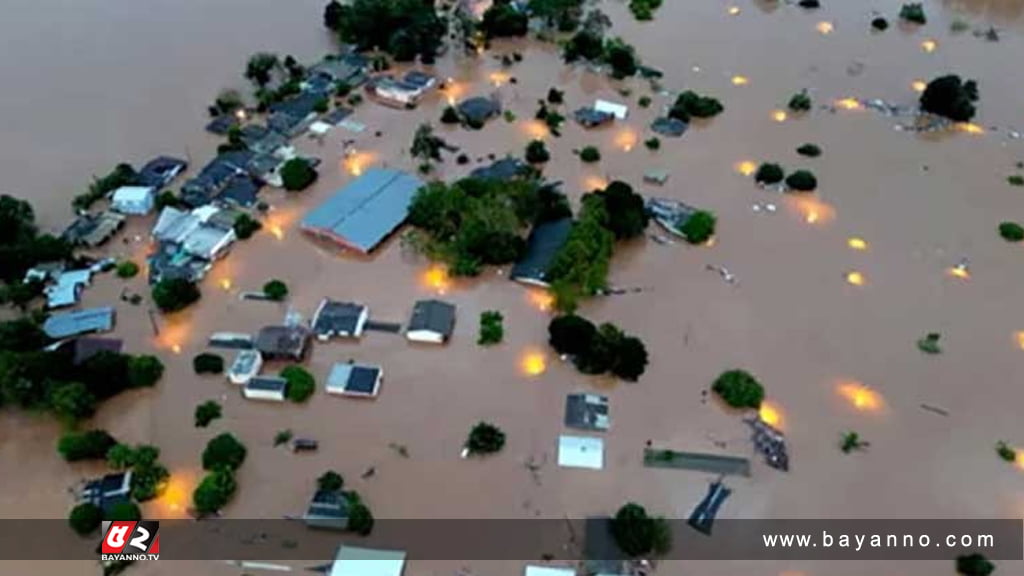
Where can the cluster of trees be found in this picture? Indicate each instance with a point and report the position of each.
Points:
(301, 384)
(974, 565)
(689, 104)
(426, 147)
(504, 19)
(245, 226)
(492, 330)
(485, 438)
(86, 518)
(207, 363)
(950, 97)
(739, 389)
(122, 175)
(22, 247)
(298, 174)
(88, 445)
(537, 152)
(590, 44)
(223, 455)
(149, 476)
(475, 222)
(207, 412)
(590, 154)
(127, 269)
(403, 28)
(644, 9)
(580, 268)
(360, 519)
(48, 380)
(770, 173)
(173, 294)
(638, 534)
(699, 228)
(597, 350)
(562, 14)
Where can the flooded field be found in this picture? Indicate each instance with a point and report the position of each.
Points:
(95, 82)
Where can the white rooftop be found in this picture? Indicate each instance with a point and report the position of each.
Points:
(355, 561)
(549, 571)
(620, 111)
(581, 452)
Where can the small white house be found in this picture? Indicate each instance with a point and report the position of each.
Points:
(355, 380)
(620, 111)
(432, 322)
(138, 200)
(245, 367)
(265, 388)
(581, 452)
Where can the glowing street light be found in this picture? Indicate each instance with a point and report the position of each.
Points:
(855, 278)
(969, 128)
(825, 28)
(861, 397)
(856, 243)
(929, 45)
(740, 81)
(533, 363)
(779, 115)
(918, 85)
(771, 414)
(746, 167)
(436, 278)
(849, 104)
(734, 10)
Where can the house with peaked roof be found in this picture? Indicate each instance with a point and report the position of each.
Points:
(136, 200)
(160, 171)
(283, 342)
(93, 230)
(68, 288)
(545, 240)
(432, 321)
(339, 319)
(328, 509)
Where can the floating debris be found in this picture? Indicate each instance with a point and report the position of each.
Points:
(961, 270)
(770, 442)
(935, 409)
(724, 272)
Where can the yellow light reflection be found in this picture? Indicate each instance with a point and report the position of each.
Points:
(855, 278)
(499, 78)
(812, 216)
(849, 104)
(740, 81)
(734, 10)
(591, 183)
(746, 167)
(812, 210)
(929, 46)
(454, 90)
(536, 129)
(176, 348)
(771, 414)
(277, 231)
(436, 278)
(174, 333)
(225, 284)
(1018, 459)
(918, 85)
(959, 271)
(856, 243)
(825, 28)
(779, 115)
(1019, 336)
(626, 139)
(356, 163)
(969, 128)
(861, 397)
(541, 299)
(176, 495)
(533, 363)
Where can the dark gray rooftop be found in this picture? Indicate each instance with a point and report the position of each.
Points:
(269, 383)
(434, 316)
(671, 127)
(586, 412)
(278, 341)
(479, 109)
(589, 117)
(546, 239)
(337, 318)
(504, 169)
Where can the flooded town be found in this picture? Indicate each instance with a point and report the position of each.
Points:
(658, 265)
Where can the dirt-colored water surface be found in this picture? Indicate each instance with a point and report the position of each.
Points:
(94, 82)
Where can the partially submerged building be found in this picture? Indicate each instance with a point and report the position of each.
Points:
(188, 243)
(345, 69)
(509, 168)
(269, 388)
(357, 380)
(84, 348)
(339, 319)
(134, 200)
(328, 510)
(619, 111)
(108, 491)
(432, 321)
(67, 289)
(283, 342)
(292, 115)
(580, 452)
(475, 112)
(160, 171)
(365, 212)
(215, 176)
(670, 214)
(405, 92)
(592, 118)
(67, 324)
(545, 240)
(245, 366)
(670, 127)
(587, 412)
(92, 230)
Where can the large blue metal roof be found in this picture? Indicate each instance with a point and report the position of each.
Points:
(363, 213)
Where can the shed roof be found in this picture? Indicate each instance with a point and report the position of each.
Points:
(479, 109)
(68, 324)
(68, 288)
(434, 316)
(355, 561)
(334, 317)
(353, 379)
(160, 171)
(545, 240)
(505, 169)
(365, 212)
(581, 452)
(133, 194)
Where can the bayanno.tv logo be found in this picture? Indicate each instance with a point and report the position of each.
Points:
(130, 540)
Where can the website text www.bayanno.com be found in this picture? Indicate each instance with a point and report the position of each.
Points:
(859, 542)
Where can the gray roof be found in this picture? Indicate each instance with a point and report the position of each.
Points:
(278, 341)
(505, 169)
(365, 212)
(589, 117)
(85, 348)
(160, 171)
(479, 109)
(327, 509)
(545, 241)
(334, 318)
(672, 127)
(353, 379)
(586, 411)
(433, 315)
(68, 324)
(269, 383)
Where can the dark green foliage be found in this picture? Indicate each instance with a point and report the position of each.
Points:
(584, 45)
(227, 102)
(739, 389)
(121, 175)
(555, 96)
(880, 24)
(360, 519)
(621, 57)
(90, 445)
(301, 384)
(21, 245)
(644, 9)
(913, 12)
(245, 226)
(223, 451)
(644, 102)
(571, 334)
(144, 371)
(403, 28)
(332, 15)
(689, 104)
(207, 412)
(590, 154)
(598, 350)
(1015, 180)
(174, 294)
(297, 174)
(950, 97)
(127, 269)
(1005, 452)
(207, 363)
(20, 294)
(1011, 231)
(503, 20)
(638, 534)
(149, 477)
(652, 144)
(167, 198)
(450, 115)
(627, 213)
(215, 490)
(491, 329)
(769, 173)
(120, 456)
(330, 481)
(485, 438)
(537, 152)
(809, 4)
(699, 228)
(72, 402)
(580, 268)
(930, 343)
(85, 518)
(565, 14)
(809, 150)
(124, 511)
(630, 359)
(259, 68)
(322, 105)
(21, 335)
(282, 437)
(802, 181)
(276, 290)
(850, 442)
(974, 565)
(800, 102)
(426, 146)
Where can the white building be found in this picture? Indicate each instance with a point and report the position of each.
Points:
(355, 380)
(355, 561)
(581, 452)
(245, 367)
(138, 200)
(433, 322)
(620, 111)
(265, 388)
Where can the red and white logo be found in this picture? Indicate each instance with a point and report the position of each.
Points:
(130, 540)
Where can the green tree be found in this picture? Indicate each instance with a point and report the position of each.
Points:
(913, 12)
(72, 402)
(580, 268)
(584, 45)
(739, 389)
(638, 534)
(124, 511)
(214, 491)
(627, 212)
(802, 181)
(223, 451)
(537, 152)
(127, 269)
(330, 481)
(120, 457)
(809, 150)
(491, 329)
(690, 104)
(485, 438)
(85, 518)
(643, 10)
(207, 412)
(1005, 452)
(333, 14)
(974, 565)
(653, 143)
(245, 226)
(571, 334)
(800, 102)
(298, 174)
(503, 20)
(564, 14)
(699, 227)
(90, 445)
(173, 294)
(21, 335)
(360, 520)
(769, 173)
(621, 57)
(301, 384)
(880, 24)
(259, 68)
(590, 154)
(276, 290)
(450, 115)
(207, 363)
(1011, 231)
(404, 28)
(630, 359)
(144, 371)
(950, 97)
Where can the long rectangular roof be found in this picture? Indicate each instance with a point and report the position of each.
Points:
(363, 213)
(80, 322)
(545, 241)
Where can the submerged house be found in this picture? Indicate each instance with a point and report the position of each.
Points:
(84, 348)
(545, 240)
(67, 324)
(580, 452)
(160, 171)
(366, 211)
(670, 214)
(671, 127)
(135, 200)
(245, 367)
(432, 321)
(328, 509)
(355, 380)
(587, 412)
(194, 233)
(508, 168)
(475, 112)
(93, 230)
(592, 118)
(339, 319)
(355, 561)
(266, 388)
(67, 289)
(348, 69)
(403, 93)
(283, 342)
(292, 115)
(215, 176)
(108, 491)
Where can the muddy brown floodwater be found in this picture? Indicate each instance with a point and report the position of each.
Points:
(94, 82)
